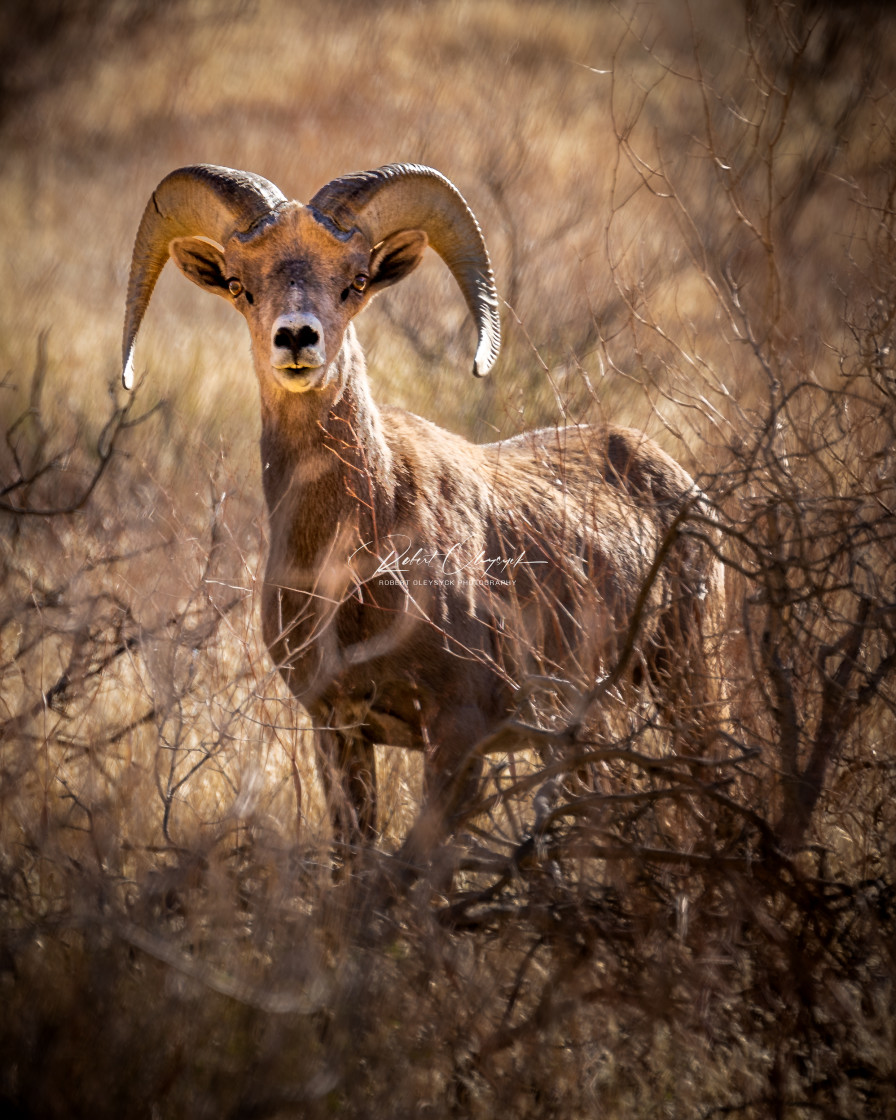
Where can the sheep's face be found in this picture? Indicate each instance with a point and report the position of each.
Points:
(298, 281)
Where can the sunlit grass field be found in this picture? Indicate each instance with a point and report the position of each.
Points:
(690, 212)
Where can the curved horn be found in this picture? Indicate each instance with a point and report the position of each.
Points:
(202, 201)
(408, 196)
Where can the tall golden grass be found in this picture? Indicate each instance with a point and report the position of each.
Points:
(690, 210)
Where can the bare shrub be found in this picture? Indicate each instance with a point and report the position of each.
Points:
(654, 914)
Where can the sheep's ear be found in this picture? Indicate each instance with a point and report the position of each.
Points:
(201, 262)
(396, 257)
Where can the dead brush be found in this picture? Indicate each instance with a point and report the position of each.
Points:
(634, 930)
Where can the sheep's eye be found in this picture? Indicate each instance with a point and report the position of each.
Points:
(360, 282)
(234, 287)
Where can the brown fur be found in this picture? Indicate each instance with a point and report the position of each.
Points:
(576, 514)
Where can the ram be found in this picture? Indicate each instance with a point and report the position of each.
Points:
(417, 583)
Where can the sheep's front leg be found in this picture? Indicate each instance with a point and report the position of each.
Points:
(346, 762)
(451, 780)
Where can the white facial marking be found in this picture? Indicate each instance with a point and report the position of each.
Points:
(297, 342)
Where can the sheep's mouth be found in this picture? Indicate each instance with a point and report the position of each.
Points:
(298, 370)
(299, 378)
(301, 364)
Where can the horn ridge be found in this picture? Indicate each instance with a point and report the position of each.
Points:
(414, 196)
(199, 200)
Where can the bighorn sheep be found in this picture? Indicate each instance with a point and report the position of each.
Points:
(379, 606)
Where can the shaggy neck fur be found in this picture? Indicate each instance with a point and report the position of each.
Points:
(326, 467)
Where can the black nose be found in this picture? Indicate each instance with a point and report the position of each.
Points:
(295, 340)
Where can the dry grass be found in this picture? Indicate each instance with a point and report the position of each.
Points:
(693, 239)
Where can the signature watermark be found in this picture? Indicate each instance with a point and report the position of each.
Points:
(460, 565)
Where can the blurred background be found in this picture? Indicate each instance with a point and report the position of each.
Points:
(577, 133)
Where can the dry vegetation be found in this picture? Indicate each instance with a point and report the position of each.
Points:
(692, 212)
